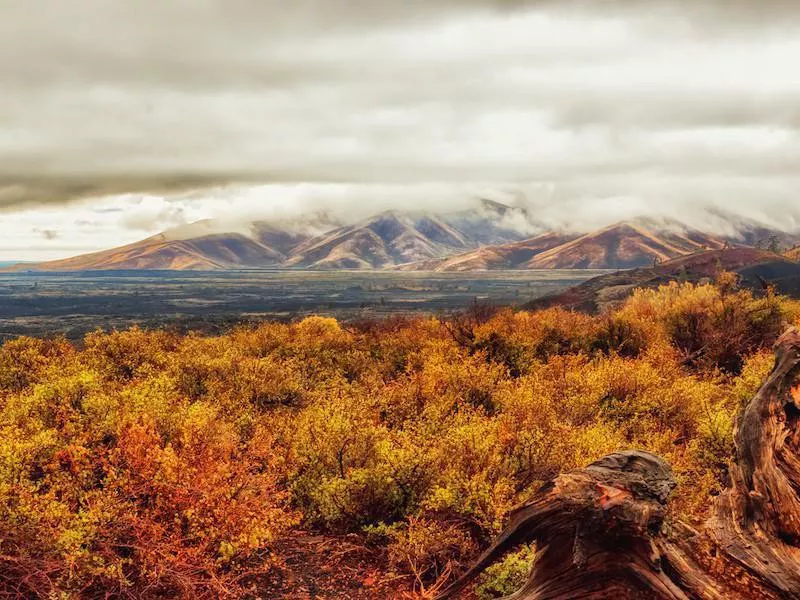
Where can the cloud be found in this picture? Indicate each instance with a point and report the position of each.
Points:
(47, 234)
(590, 110)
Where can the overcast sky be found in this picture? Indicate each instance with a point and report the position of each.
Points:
(120, 118)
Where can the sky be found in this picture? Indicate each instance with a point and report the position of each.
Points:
(120, 119)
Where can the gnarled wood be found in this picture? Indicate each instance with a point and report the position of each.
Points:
(602, 531)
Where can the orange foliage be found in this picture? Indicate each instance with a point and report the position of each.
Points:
(146, 463)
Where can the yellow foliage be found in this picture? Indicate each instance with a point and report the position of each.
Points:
(146, 460)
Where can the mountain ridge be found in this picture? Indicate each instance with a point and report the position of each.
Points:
(489, 236)
(623, 245)
(384, 240)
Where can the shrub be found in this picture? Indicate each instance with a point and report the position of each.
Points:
(148, 463)
(429, 550)
(25, 361)
(506, 577)
(712, 327)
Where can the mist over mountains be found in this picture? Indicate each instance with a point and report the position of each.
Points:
(489, 235)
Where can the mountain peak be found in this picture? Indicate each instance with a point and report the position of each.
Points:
(494, 206)
(490, 235)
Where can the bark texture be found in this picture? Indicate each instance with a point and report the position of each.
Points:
(603, 533)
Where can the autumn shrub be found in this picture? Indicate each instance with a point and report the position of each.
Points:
(430, 550)
(25, 361)
(123, 355)
(508, 576)
(98, 498)
(713, 327)
(341, 476)
(151, 464)
(619, 335)
(518, 340)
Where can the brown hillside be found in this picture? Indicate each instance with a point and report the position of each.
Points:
(755, 267)
(621, 246)
(389, 239)
(517, 255)
(624, 246)
(210, 252)
(489, 237)
(314, 241)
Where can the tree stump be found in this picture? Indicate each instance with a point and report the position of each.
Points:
(602, 531)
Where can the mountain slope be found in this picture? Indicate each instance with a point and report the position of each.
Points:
(793, 253)
(489, 236)
(623, 246)
(316, 241)
(388, 239)
(396, 238)
(210, 252)
(492, 223)
(202, 245)
(284, 235)
(517, 255)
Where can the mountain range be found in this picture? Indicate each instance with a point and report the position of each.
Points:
(488, 236)
(620, 246)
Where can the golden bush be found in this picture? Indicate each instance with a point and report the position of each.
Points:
(146, 460)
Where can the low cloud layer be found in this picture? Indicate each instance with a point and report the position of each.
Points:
(584, 111)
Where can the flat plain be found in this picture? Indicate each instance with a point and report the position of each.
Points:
(75, 303)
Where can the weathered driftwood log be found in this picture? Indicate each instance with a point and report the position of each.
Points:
(602, 531)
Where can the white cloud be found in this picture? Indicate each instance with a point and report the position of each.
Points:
(592, 110)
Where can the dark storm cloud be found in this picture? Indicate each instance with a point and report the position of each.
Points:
(32, 190)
